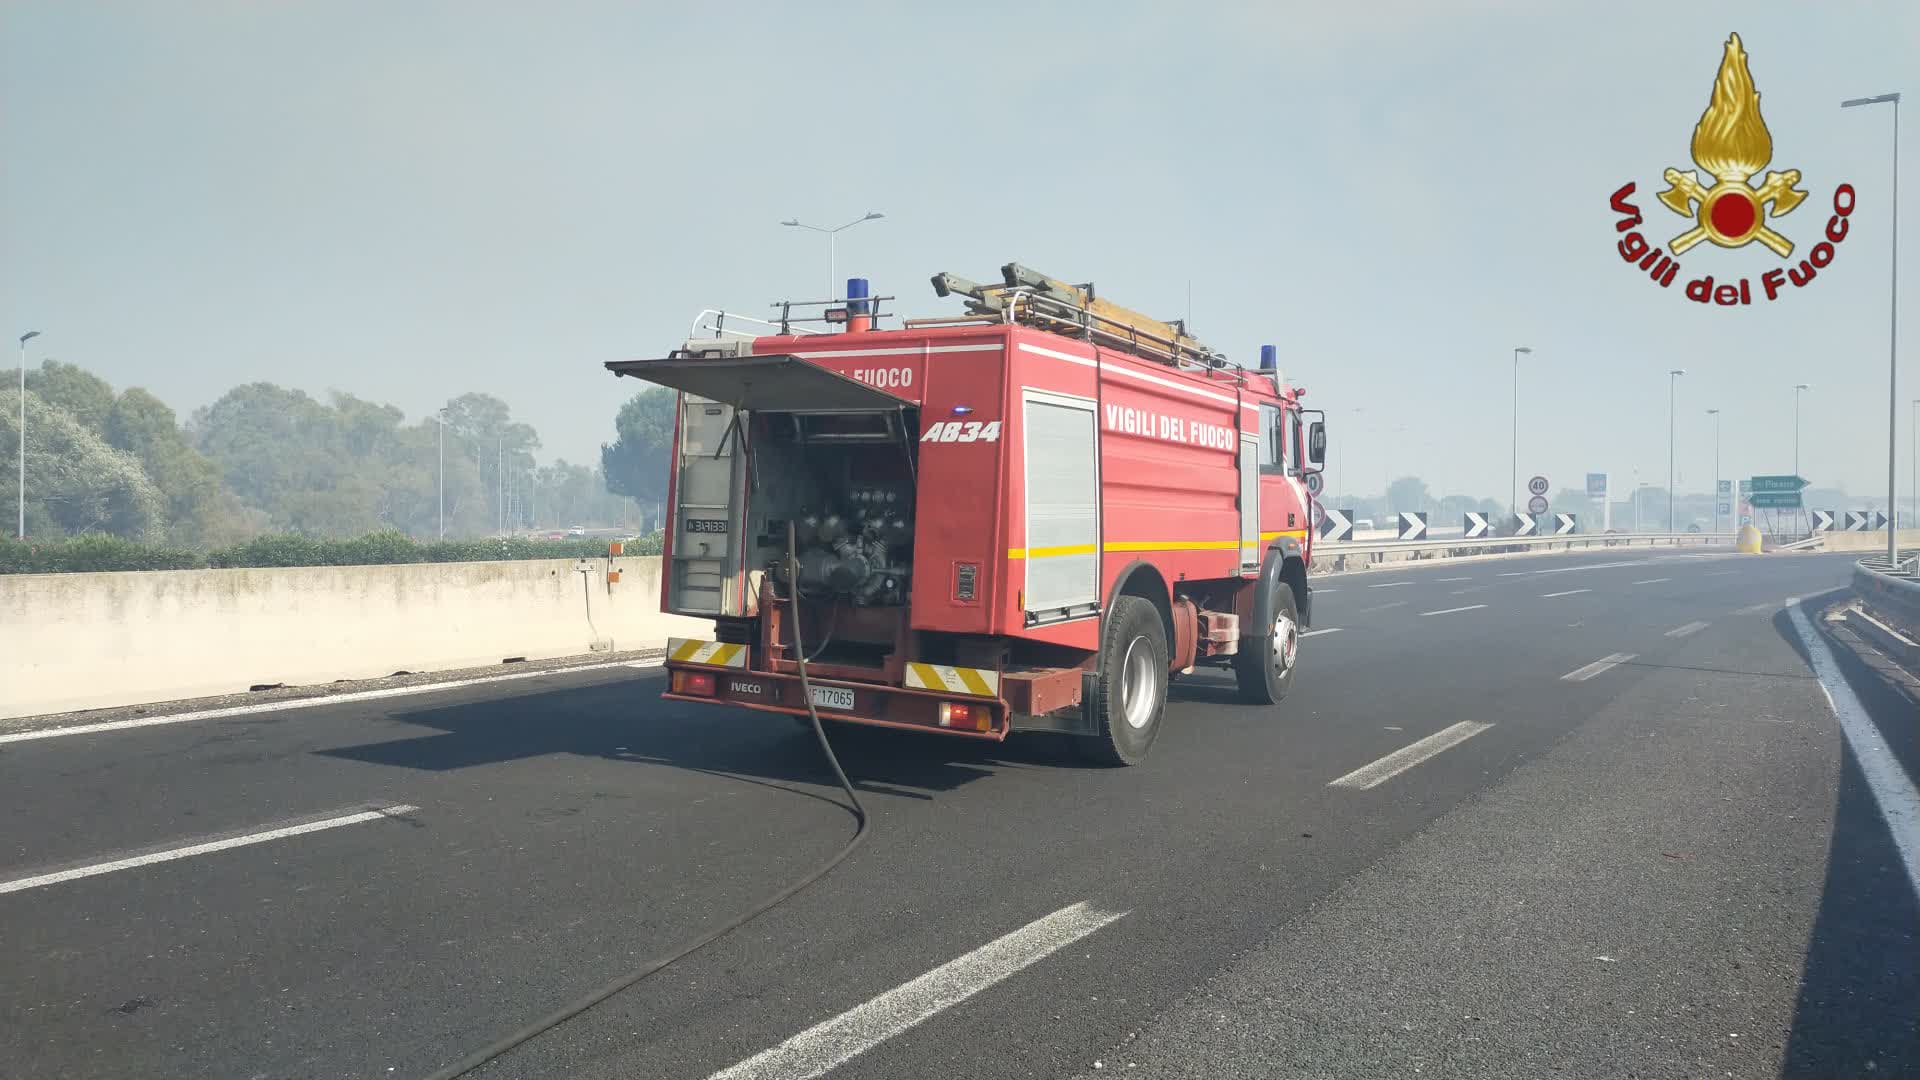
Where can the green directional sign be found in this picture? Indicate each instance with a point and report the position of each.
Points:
(1776, 500)
(1763, 485)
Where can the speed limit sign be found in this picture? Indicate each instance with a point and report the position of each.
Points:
(1313, 483)
(1318, 515)
(1537, 485)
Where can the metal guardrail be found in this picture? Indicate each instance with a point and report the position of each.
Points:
(1891, 593)
(1496, 545)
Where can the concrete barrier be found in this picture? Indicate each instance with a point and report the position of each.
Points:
(84, 641)
(1868, 541)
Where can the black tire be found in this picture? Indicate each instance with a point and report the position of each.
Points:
(1130, 696)
(1265, 671)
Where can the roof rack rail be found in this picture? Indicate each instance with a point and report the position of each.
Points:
(1034, 299)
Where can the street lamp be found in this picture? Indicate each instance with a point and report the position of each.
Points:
(440, 418)
(1513, 473)
(24, 338)
(1673, 377)
(1717, 481)
(1893, 319)
(1797, 388)
(833, 275)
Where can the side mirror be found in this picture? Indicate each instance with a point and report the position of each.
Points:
(1317, 442)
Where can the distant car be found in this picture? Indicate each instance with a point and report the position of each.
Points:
(577, 530)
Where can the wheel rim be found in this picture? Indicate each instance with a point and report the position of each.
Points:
(1286, 645)
(1137, 684)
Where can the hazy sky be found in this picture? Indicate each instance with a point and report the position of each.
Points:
(407, 201)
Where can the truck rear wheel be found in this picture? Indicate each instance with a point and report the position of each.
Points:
(1131, 697)
(1265, 673)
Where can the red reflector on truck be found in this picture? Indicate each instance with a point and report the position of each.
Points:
(693, 682)
(954, 714)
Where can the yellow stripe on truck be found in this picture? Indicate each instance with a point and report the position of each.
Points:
(1145, 545)
(715, 653)
(954, 680)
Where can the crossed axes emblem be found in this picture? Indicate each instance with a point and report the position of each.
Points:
(1775, 196)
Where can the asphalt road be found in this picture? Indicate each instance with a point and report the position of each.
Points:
(1586, 815)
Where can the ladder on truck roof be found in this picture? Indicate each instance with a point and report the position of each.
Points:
(1033, 299)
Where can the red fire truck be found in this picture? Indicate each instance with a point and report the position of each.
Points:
(1025, 517)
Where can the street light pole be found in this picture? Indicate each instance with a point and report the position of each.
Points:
(1673, 377)
(1893, 322)
(1797, 388)
(833, 272)
(1513, 471)
(24, 338)
(1716, 471)
(440, 421)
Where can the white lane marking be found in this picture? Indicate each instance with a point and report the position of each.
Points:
(1324, 630)
(1571, 569)
(1389, 584)
(1690, 628)
(20, 884)
(1322, 592)
(1721, 573)
(1653, 581)
(1447, 579)
(1569, 592)
(310, 702)
(1755, 609)
(831, 1043)
(1892, 788)
(1370, 776)
(1452, 610)
(1383, 607)
(1605, 663)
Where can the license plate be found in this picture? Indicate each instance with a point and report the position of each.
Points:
(832, 697)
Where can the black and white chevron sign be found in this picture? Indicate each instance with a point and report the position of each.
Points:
(1857, 521)
(1822, 520)
(1338, 524)
(1413, 525)
(1477, 525)
(1879, 520)
(1564, 524)
(1524, 525)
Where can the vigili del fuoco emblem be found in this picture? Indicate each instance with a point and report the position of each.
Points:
(1732, 144)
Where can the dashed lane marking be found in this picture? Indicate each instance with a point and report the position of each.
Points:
(1569, 592)
(93, 869)
(1385, 769)
(831, 1043)
(1605, 663)
(1690, 628)
(1453, 610)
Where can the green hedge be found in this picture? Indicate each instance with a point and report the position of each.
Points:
(94, 553)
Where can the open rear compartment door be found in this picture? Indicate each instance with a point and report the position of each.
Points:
(765, 440)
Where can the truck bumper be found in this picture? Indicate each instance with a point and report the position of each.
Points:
(875, 704)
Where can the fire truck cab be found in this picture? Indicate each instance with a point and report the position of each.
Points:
(1026, 517)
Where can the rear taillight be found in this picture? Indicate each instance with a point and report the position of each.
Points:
(956, 714)
(699, 683)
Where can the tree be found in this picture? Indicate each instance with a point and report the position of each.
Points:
(79, 393)
(636, 462)
(201, 512)
(76, 483)
(1408, 493)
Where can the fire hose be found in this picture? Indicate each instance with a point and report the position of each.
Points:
(560, 1016)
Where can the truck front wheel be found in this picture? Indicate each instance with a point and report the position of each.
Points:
(1265, 672)
(1131, 697)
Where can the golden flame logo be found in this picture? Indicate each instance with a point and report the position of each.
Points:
(1732, 143)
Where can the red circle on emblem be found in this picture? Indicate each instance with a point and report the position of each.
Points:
(1733, 214)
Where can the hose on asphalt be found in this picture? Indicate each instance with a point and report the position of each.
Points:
(560, 1016)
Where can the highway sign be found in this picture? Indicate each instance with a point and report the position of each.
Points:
(1337, 526)
(1746, 488)
(1726, 488)
(1413, 526)
(1315, 513)
(1768, 484)
(1822, 520)
(1476, 526)
(1596, 485)
(1857, 521)
(1314, 483)
(1724, 507)
(1524, 525)
(1776, 500)
(1537, 504)
(1537, 485)
(1564, 524)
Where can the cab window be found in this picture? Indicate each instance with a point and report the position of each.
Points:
(1273, 442)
